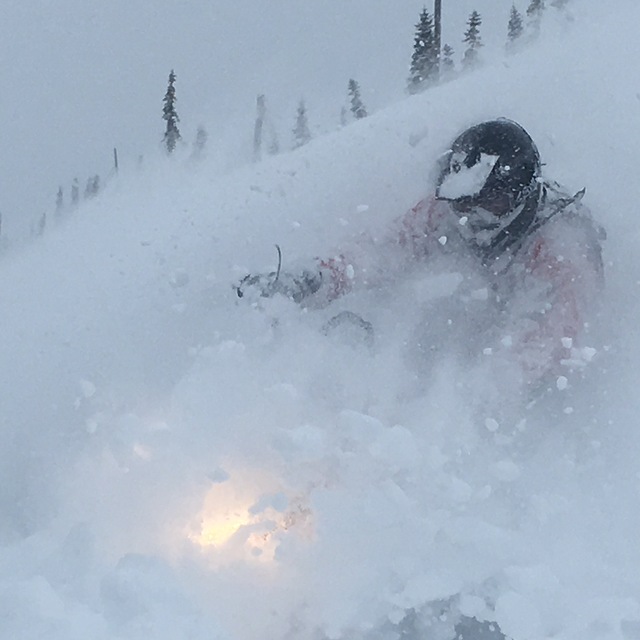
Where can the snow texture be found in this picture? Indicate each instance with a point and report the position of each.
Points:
(178, 464)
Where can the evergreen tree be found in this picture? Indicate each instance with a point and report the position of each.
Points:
(274, 144)
(357, 106)
(344, 120)
(301, 133)
(42, 225)
(515, 28)
(448, 65)
(75, 193)
(424, 60)
(59, 201)
(472, 40)
(92, 187)
(200, 142)
(172, 133)
(535, 9)
(261, 112)
(534, 13)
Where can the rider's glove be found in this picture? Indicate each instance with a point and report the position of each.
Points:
(266, 285)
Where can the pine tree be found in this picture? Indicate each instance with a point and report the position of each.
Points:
(75, 193)
(472, 40)
(514, 28)
(274, 143)
(448, 65)
(301, 133)
(59, 201)
(92, 188)
(357, 106)
(534, 13)
(535, 8)
(200, 143)
(172, 133)
(261, 112)
(344, 120)
(42, 225)
(424, 61)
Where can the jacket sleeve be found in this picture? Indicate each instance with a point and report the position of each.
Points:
(545, 318)
(371, 262)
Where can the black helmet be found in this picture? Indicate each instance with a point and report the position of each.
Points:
(494, 165)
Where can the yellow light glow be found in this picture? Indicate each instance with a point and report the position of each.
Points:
(227, 526)
(217, 531)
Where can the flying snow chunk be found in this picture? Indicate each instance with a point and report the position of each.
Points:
(179, 278)
(518, 616)
(506, 470)
(460, 491)
(397, 448)
(480, 294)
(231, 346)
(472, 606)
(305, 442)
(435, 458)
(88, 388)
(417, 137)
(466, 181)
(362, 208)
(562, 383)
(491, 425)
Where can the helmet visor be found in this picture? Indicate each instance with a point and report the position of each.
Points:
(497, 203)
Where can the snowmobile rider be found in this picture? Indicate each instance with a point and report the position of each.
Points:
(536, 246)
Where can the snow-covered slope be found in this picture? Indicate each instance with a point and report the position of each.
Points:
(178, 465)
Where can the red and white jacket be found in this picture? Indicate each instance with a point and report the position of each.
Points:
(543, 280)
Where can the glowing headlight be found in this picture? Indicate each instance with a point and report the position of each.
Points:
(239, 520)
